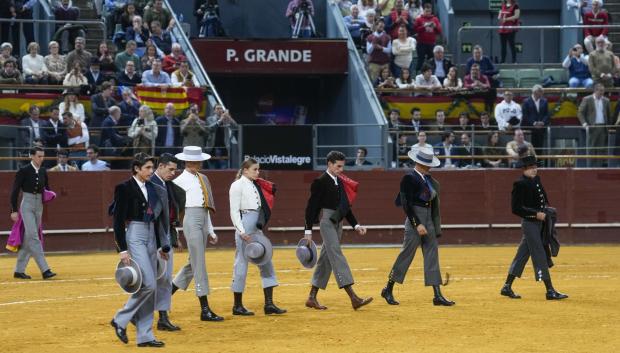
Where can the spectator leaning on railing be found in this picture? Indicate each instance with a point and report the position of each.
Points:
(385, 79)
(428, 81)
(475, 79)
(155, 77)
(576, 62)
(452, 81)
(405, 80)
(596, 17)
(485, 66)
(508, 113)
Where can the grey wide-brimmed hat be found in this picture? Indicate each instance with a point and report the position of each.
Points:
(162, 264)
(192, 154)
(424, 156)
(128, 277)
(258, 250)
(306, 253)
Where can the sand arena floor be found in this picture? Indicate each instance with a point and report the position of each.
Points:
(71, 313)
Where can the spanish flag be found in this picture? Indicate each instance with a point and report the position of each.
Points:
(157, 99)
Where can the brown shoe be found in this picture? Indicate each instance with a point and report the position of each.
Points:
(314, 303)
(359, 302)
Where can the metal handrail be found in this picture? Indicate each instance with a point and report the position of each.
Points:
(78, 22)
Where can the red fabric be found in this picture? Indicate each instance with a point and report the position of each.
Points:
(269, 191)
(170, 64)
(427, 35)
(508, 12)
(394, 17)
(601, 18)
(350, 187)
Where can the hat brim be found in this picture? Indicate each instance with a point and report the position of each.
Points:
(131, 289)
(266, 243)
(435, 163)
(187, 158)
(313, 250)
(162, 265)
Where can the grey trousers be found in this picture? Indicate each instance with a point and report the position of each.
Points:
(432, 273)
(163, 296)
(331, 258)
(531, 245)
(598, 141)
(142, 248)
(32, 211)
(195, 231)
(240, 269)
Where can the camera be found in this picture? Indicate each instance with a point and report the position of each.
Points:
(140, 122)
(210, 9)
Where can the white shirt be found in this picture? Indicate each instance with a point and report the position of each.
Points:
(35, 129)
(420, 81)
(142, 186)
(33, 65)
(242, 195)
(448, 152)
(36, 170)
(439, 71)
(94, 167)
(76, 109)
(193, 194)
(536, 103)
(333, 177)
(403, 52)
(504, 111)
(600, 116)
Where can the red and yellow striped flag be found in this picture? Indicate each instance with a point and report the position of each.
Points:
(157, 100)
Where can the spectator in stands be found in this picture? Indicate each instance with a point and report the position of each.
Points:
(446, 148)
(10, 74)
(485, 122)
(439, 64)
(93, 164)
(421, 141)
(75, 77)
(427, 81)
(601, 63)
(368, 27)
(577, 64)
(143, 131)
(394, 120)
(193, 130)
(22, 10)
(596, 17)
(158, 13)
(130, 108)
(220, 135)
(584, 6)
(467, 149)
(77, 134)
(101, 103)
(183, 77)
(168, 134)
(402, 149)
(291, 13)
(114, 143)
(79, 54)
(155, 77)
(415, 9)
(30, 127)
(464, 121)
(173, 61)
(384, 6)
(515, 146)
(452, 81)
(129, 12)
(402, 48)
(128, 55)
(379, 48)
(63, 163)
(150, 55)
(105, 56)
(345, 7)
(440, 120)
(594, 114)
(71, 104)
(508, 16)
(5, 52)
(139, 34)
(56, 64)
(354, 24)
(367, 6)
(508, 113)
(405, 81)
(398, 17)
(427, 27)
(494, 149)
(162, 39)
(54, 135)
(94, 76)
(360, 158)
(416, 120)
(475, 80)
(385, 79)
(536, 116)
(129, 77)
(68, 13)
(33, 64)
(112, 9)
(485, 66)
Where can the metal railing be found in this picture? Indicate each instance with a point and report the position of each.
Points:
(327, 137)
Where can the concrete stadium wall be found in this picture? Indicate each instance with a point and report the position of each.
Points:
(586, 199)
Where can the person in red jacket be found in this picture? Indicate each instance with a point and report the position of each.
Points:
(597, 16)
(508, 17)
(172, 61)
(397, 17)
(428, 28)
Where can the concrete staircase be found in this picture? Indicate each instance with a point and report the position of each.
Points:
(613, 7)
(95, 34)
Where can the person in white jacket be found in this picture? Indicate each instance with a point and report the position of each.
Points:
(33, 65)
(246, 207)
(403, 48)
(507, 110)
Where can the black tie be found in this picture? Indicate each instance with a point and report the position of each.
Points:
(343, 202)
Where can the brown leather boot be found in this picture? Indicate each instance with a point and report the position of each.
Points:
(356, 301)
(312, 302)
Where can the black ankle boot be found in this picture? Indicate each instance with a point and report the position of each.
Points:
(164, 324)
(205, 312)
(238, 308)
(386, 293)
(439, 298)
(270, 307)
(508, 292)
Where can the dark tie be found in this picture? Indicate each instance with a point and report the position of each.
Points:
(343, 202)
(429, 184)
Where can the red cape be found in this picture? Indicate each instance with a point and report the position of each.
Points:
(350, 187)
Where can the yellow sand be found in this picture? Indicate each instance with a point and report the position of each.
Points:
(72, 312)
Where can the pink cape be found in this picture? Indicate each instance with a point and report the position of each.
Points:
(17, 231)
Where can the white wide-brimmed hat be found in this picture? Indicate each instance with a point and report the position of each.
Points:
(192, 154)
(128, 277)
(424, 156)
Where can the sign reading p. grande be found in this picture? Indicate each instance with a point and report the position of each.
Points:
(222, 56)
(278, 147)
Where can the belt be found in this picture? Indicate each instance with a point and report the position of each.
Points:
(248, 211)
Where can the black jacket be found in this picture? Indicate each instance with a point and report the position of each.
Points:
(549, 235)
(414, 192)
(162, 126)
(99, 106)
(123, 80)
(528, 197)
(27, 180)
(52, 137)
(447, 64)
(325, 194)
(173, 208)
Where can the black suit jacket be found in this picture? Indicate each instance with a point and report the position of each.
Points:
(462, 151)
(528, 197)
(100, 107)
(325, 194)
(27, 180)
(531, 115)
(25, 131)
(447, 64)
(110, 137)
(123, 80)
(414, 192)
(162, 126)
(92, 82)
(173, 207)
(52, 137)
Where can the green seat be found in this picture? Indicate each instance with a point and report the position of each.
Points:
(560, 76)
(529, 77)
(508, 78)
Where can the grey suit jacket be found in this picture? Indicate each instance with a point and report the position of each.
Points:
(587, 111)
(162, 215)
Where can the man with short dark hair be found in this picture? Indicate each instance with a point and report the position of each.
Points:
(129, 77)
(32, 181)
(155, 77)
(467, 149)
(446, 148)
(360, 158)
(428, 28)
(485, 66)
(63, 163)
(79, 54)
(379, 49)
(464, 121)
(93, 164)
(54, 134)
(485, 122)
(161, 38)
(9, 73)
(416, 119)
(440, 120)
(328, 196)
(101, 103)
(128, 55)
(536, 117)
